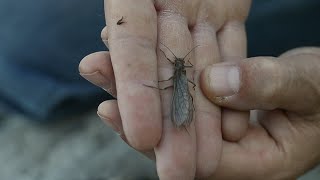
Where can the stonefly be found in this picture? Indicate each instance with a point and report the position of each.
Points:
(182, 106)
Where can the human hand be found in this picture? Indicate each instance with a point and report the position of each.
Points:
(283, 142)
(141, 114)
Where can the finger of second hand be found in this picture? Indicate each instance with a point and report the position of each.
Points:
(132, 48)
(233, 47)
(208, 122)
(176, 153)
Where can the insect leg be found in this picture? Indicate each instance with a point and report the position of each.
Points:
(167, 57)
(190, 63)
(192, 103)
(194, 85)
(161, 81)
(167, 79)
(167, 87)
(158, 88)
(189, 66)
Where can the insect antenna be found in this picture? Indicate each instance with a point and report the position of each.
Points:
(190, 51)
(169, 50)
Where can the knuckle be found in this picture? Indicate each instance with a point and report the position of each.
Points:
(272, 82)
(203, 170)
(141, 142)
(238, 10)
(128, 40)
(261, 81)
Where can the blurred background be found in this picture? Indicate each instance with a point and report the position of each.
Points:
(49, 129)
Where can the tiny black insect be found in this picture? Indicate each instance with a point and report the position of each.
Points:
(182, 106)
(120, 21)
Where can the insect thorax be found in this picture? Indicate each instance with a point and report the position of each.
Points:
(179, 64)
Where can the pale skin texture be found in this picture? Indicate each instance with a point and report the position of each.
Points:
(281, 144)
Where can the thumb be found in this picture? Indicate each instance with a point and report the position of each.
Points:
(265, 83)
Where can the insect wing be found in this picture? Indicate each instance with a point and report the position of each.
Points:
(182, 105)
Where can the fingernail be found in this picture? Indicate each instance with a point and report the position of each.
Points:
(224, 80)
(98, 79)
(109, 123)
(111, 92)
(106, 43)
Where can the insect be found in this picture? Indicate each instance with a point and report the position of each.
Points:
(182, 106)
(120, 21)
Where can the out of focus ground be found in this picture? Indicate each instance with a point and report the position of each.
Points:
(73, 149)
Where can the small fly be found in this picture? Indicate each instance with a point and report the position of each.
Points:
(182, 106)
(120, 21)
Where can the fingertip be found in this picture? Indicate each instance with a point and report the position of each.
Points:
(234, 124)
(109, 113)
(254, 83)
(104, 36)
(109, 109)
(94, 62)
(97, 69)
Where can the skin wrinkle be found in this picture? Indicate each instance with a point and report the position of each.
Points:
(194, 8)
(203, 27)
(315, 87)
(248, 75)
(175, 7)
(238, 12)
(278, 144)
(290, 73)
(177, 29)
(275, 83)
(298, 128)
(141, 41)
(298, 79)
(141, 70)
(197, 34)
(219, 16)
(237, 48)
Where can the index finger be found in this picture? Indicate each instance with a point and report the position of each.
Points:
(132, 32)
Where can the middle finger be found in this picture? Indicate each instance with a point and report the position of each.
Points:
(176, 153)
